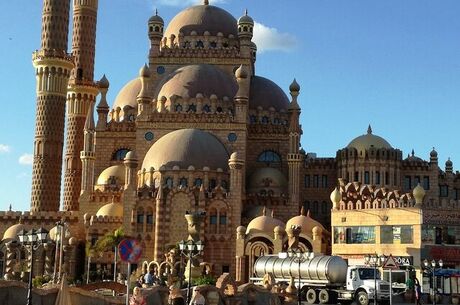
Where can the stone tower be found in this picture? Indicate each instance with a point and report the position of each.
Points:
(294, 157)
(53, 67)
(81, 94)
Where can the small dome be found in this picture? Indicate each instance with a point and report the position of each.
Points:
(128, 95)
(187, 147)
(111, 210)
(268, 180)
(306, 222)
(264, 224)
(201, 19)
(104, 82)
(367, 141)
(12, 232)
(246, 19)
(265, 93)
(107, 175)
(418, 194)
(449, 163)
(156, 19)
(131, 155)
(294, 87)
(208, 80)
(433, 153)
(241, 72)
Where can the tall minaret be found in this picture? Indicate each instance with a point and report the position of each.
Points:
(294, 157)
(81, 94)
(52, 69)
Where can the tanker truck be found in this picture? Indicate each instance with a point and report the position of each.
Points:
(325, 279)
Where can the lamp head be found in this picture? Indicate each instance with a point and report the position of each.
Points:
(22, 236)
(42, 235)
(441, 263)
(425, 262)
(32, 236)
(433, 263)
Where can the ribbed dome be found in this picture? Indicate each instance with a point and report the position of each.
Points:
(128, 95)
(266, 94)
(12, 232)
(306, 222)
(264, 224)
(111, 210)
(189, 80)
(117, 171)
(202, 18)
(187, 147)
(367, 141)
(267, 178)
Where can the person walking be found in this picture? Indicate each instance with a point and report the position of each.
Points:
(197, 297)
(418, 293)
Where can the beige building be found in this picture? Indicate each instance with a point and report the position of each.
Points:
(367, 220)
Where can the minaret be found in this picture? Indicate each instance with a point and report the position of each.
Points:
(52, 69)
(81, 94)
(242, 96)
(87, 155)
(245, 34)
(294, 157)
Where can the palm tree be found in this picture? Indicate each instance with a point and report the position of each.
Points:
(108, 242)
(89, 250)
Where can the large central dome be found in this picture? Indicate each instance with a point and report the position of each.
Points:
(190, 80)
(187, 147)
(202, 18)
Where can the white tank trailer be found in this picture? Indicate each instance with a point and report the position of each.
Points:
(325, 279)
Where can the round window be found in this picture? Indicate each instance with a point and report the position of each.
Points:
(161, 69)
(232, 137)
(149, 136)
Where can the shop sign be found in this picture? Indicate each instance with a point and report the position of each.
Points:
(404, 260)
(447, 254)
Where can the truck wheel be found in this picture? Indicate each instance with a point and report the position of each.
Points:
(323, 296)
(362, 298)
(311, 296)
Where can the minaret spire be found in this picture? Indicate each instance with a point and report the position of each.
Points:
(51, 99)
(369, 129)
(81, 95)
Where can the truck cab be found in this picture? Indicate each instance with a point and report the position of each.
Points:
(365, 281)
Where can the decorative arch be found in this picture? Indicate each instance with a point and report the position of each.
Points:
(269, 156)
(120, 154)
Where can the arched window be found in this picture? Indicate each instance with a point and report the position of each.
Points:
(198, 182)
(191, 108)
(252, 119)
(269, 156)
(157, 29)
(199, 44)
(169, 182)
(178, 108)
(120, 154)
(224, 184)
(149, 219)
(183, 182)
(265, 120)
(212, 184)
(219, 109)
(206, 108)
(213, 44)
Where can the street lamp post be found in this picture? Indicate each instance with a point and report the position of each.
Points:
(298, 256)
(433, 269)
(190, 249)
(33, 238)
(375, 261)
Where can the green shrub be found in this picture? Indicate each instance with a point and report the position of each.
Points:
(204, 280)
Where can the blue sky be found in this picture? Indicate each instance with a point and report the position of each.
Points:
(394, 64)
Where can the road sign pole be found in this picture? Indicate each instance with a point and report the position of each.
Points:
(127, 283)
(391, 288)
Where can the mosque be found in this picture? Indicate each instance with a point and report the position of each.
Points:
(197, 130)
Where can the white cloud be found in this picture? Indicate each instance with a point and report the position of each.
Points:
(182, 3)
(4, 148)
(26, 159)
(270, 39)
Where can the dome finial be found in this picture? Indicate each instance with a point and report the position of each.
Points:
(413, 152)
(369, 129)
(246, 12)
